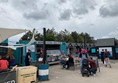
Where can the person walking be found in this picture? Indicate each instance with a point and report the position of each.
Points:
(102, 56)
(106, 60)
(28, 58)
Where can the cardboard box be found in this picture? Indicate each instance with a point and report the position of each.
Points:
(26, 74)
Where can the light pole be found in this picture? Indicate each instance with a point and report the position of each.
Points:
(84, 39)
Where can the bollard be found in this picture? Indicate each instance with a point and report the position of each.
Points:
(43, 71)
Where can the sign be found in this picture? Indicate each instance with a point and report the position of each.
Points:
(93, 50)
(108, 49)
(8, 77)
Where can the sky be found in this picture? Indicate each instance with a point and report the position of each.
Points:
(99, 18)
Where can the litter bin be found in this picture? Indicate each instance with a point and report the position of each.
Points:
(43, 71)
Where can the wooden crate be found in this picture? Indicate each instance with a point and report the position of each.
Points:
(26, 74)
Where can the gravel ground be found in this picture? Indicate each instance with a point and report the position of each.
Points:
(106, 75)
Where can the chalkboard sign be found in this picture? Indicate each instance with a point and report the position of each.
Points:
(8, 77)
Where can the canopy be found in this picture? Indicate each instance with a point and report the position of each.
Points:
(18, 46)
(6, 33)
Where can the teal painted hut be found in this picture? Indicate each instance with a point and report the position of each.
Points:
(20, 53)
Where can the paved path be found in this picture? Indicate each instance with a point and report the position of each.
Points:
(106, 75)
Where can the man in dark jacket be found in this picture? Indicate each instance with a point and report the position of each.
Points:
(70, 61)
(28, 58)
(102, 56)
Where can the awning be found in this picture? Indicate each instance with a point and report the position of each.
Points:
(6, 33)
(30, 42)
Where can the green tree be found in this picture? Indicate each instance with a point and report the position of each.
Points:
(51, 35)
(75, 36)
(81, 37)
(63, 35)
(88, 38)
(39, 37)
(27, 36)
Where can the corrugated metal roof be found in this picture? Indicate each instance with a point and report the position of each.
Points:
(105, 42)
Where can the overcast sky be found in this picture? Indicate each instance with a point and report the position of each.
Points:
(99, 18)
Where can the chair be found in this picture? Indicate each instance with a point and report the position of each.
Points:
(76, 62)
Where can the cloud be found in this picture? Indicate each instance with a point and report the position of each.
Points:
(3, 0)
(73, 15)
(105, 37)
(113, 33)
(81, 7)
(33, 9)
(24, 5)
(65, 15)
(36, 15)
(61, 1)
(80, 11)
(109, 9)
(40, 10)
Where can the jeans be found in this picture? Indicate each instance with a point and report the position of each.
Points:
(93, 70)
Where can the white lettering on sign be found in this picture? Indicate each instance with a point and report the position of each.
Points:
(12, 81)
